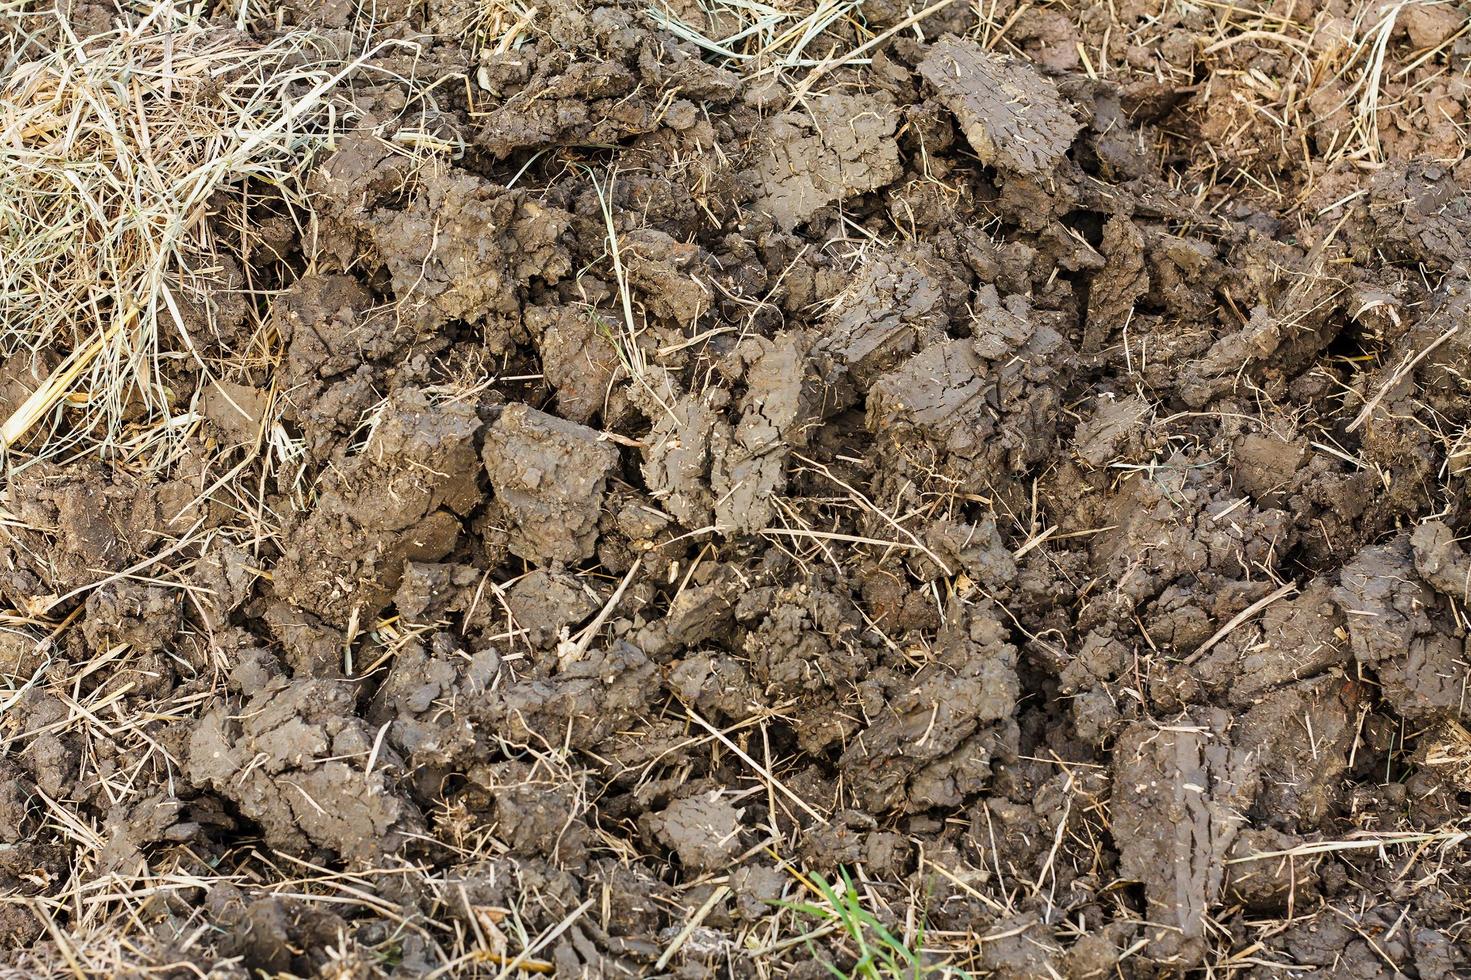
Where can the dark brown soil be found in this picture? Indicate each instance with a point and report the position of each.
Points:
(1036, 490)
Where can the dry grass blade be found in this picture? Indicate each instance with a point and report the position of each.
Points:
(764, 39)
(755, 34)
(1365, 841)
(761, 770)
(852, 56)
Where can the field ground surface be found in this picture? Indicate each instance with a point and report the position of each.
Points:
(735, 488)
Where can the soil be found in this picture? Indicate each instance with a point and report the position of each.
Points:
(1019, 471)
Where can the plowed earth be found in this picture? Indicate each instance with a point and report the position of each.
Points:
(1030, 485)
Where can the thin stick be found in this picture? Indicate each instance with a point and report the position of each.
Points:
(574, 651)
(835, 536)
(1372, 842)
(1239, 618)
(1398, 376)
(690, 926)
(544, 940)
(55, 387)
(870, 506)
(859, 51)
(761, 770)
(62, 943)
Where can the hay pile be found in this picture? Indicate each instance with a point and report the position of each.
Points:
(122, 157)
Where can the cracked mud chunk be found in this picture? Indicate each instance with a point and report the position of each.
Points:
(72, 525)
(143, 617)
(1263, 465)
(294, 760)
(1419, 211)
(235, 411)
(845, 147)
(677, 459)
(21, 375)
(595, 80)
(332, 328)
(990, 399)
(701, 468)
(700, 611)
(1445, 751)
(465, 248)
(1013, 117)
(1260, 344)
(852, 837)
(1172, 530)
(1270, 884)
(807, 651)
(934, 742)
(272, 936)
(549, 476)
(1394, 629)
(401, 499)
(1300, 775)
(546, 603)
(1123, 280)
(431, 591)
(340, 345)
(1295, 638)
(975, 549)
(154, 819)
(461, 248)
(144, 620)
(704, 831)
(670, 275)
(898, 303)
(577, 359)
(1177, 801)
(743, 483)
(785, 395)
(1441, 560)
(1024, 947)
(938, 394)
(989, 403)
(1284, 333)
(1114, 423)
(715, 684)
(1355, 945)
(433, 742)
(582, 705)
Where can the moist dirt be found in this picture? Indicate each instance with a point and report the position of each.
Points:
(1017, 471)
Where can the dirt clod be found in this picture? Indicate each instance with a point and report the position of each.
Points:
(844, 146)
(1013, 118)
(549, 476)
(295, 759)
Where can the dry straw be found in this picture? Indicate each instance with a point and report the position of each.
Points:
(115, 152)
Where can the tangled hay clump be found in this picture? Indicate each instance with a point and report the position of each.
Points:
(114, 151)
